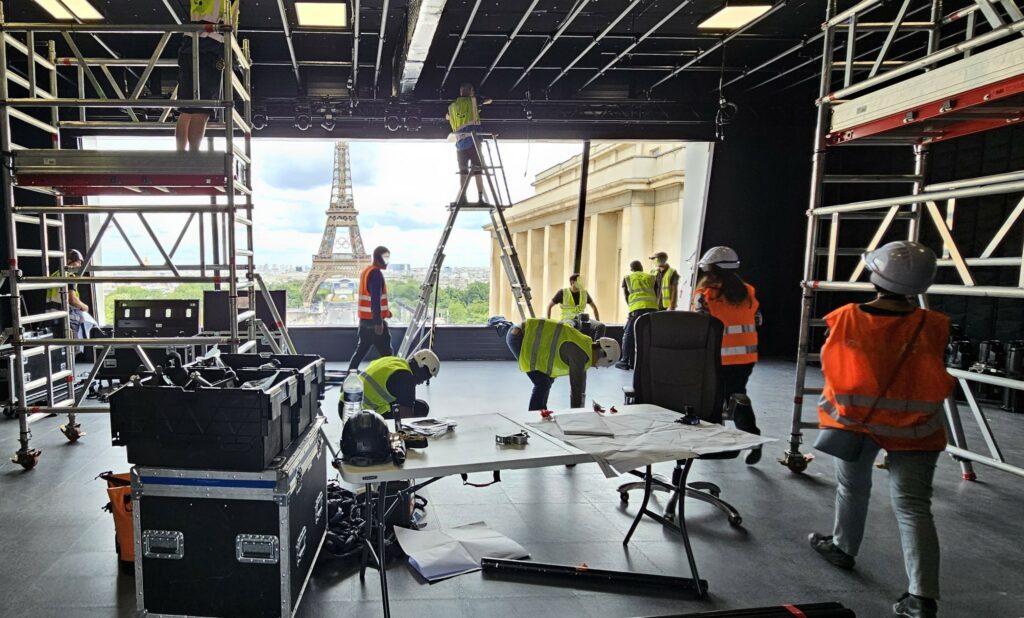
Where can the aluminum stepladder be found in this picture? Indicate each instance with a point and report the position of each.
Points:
(420, 331)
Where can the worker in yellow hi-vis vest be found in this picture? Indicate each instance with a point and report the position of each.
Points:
(464, 117)
(191, 126)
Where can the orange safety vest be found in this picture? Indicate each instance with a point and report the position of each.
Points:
(860, 357)
(739, 338)
(365, 310)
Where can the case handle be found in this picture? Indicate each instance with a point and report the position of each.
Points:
(163, 544)
(257, 549)
(318, 508)
(300, 545)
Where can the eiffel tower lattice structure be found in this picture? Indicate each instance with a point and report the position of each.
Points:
(341, 250)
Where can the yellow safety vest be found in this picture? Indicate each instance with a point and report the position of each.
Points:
(572, 309)
(375, 382)
(463, 113)
(542, 340)
(640, 290)
(666, 286)
(214, 11)
(53, 294)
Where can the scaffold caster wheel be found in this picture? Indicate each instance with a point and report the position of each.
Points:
(796, 462)
(27, 458)
(969, 476)
(736, 521)
(72, 432)
(624, 497)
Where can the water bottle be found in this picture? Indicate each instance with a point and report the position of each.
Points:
(352, 396)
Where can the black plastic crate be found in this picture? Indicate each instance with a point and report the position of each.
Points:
(228, 428)
(310, 370)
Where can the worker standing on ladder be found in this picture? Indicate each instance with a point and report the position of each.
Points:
(191, 127)
(666, 282)
(373, 310)
(573, 302)
(391, 381)
(638, 288)
(723, 295)
(534, 343)
(464, 117)
(885, 384)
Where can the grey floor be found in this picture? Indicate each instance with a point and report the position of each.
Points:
(56, 544)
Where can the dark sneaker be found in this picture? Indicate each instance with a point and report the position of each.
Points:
(910, 606)
(753, 456)
(622, 365)
(828, 550)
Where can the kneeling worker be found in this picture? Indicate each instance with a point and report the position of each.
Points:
(392, 380)
(534, 343)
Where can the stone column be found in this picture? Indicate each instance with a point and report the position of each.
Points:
(554, 264)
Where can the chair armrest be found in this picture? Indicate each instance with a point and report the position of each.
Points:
(628, 395)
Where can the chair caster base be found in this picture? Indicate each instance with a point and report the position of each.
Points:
(736, 522)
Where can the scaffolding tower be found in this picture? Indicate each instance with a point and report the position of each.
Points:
(973, 85)
(224, 225)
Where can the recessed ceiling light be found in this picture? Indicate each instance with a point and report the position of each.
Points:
(79, 8)
(322, 14)
(733, 16)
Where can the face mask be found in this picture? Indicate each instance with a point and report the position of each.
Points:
(385, 258)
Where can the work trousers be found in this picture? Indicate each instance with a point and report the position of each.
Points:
(367, 339)
(628, 344)
(910, 488)
(420, 409)
(732, 379)
(542, 388)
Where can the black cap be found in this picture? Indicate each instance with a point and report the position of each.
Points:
(74, 255)
(661, 255)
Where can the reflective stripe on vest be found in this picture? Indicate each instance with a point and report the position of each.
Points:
(736, 329)
(542, 340)
(375, 380)
(366, 301)
(640, 291)
(739, 349)
(570, 308)
(463, 113)
(665, 300)
(924, 430)
(739, 333)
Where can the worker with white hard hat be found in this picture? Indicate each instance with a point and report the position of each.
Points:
(722, 294)
(885, 384)
(548, 349)
(392, 380)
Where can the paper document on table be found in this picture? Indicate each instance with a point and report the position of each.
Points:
(583, 424)
(437, 554)
(650, 437)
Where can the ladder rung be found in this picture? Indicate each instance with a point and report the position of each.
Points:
(60, 375)
(44, 317)
(814, 357)
(35, 220)
(808, 425)
(30, 352)
(41, 285)
(38, 253)
(818, 322)
(242, 220)
(243, 252)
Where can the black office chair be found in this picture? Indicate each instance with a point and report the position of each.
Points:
(678, 355)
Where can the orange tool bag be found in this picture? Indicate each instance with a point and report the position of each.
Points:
(119, 490)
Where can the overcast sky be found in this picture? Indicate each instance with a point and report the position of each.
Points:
(400, 188)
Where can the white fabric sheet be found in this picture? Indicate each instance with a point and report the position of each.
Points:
(649, 437)
(437, 554)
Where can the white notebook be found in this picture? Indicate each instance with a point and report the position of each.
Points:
(583, 424)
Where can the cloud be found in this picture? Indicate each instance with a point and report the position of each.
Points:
(294, 164)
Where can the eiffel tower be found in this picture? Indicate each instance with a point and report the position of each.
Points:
(341, 250)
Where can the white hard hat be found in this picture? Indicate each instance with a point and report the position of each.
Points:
(723, 257)
(610, 352)
(428, 360)
(902, 267)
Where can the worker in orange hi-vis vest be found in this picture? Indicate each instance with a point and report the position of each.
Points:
(722, 294)
(373, 309)
(885, 384)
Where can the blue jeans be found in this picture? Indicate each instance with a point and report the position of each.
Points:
(910, 487)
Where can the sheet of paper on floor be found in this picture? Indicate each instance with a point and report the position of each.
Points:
(650, 437)
(583, 424)
(438, 554)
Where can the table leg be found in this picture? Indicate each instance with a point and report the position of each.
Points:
(382, 547)
(367, 531)
(648, 473)
(681, 520)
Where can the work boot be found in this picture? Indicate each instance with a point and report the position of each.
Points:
(828, 550)
(753, 456)
(910, 606)
(622, 365)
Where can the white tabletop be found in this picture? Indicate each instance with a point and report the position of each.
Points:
(471, 448)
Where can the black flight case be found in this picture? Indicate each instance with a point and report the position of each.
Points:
(225, 544)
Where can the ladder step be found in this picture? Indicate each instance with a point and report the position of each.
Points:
(808, 425)
(813, 390)
(53, 255)
(57, 377)
(243, 252)
(41, 285)
(43, 317)
(35, 221)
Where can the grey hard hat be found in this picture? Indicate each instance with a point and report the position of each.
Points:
(723, 257)
(903, 267)
(74, 255)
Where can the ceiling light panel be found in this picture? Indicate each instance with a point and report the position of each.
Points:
(733, 17)
(79, 8)
(322, 14)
